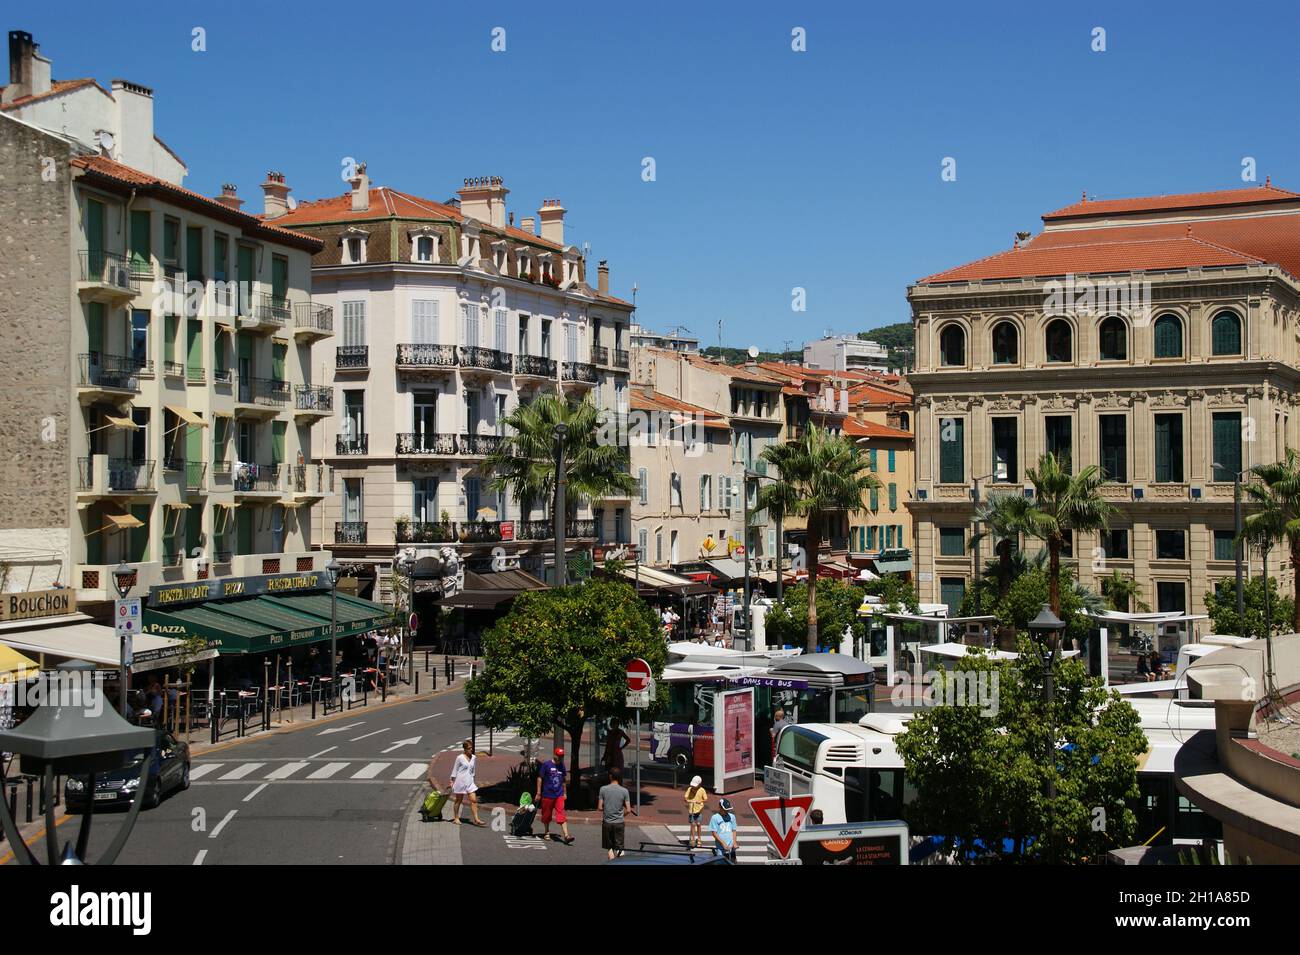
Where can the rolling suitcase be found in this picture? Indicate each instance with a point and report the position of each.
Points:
(432, 806)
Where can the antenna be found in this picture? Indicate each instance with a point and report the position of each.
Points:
(719, 334)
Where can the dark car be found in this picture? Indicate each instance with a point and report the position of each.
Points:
(170, 771)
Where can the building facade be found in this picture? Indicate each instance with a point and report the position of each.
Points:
(846, 354)
(1154, 338)
(450, 318)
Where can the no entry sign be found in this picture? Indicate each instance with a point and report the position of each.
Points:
(638, 674)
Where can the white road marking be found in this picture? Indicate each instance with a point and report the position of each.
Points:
(202, 769)
(340, 729)
(367, 735)
(413, 771)
(370, 770)
(326, 771)
(239, 772)
(250, 796)
(285, 771)
(222, 824)
(461, 709)
(421, 719)
(322, 752)
(403, 742)
(198, 859)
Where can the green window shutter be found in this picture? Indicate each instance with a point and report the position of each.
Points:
(95, 234)
(219, 433)
(193, 444)
(243, 531)
(1225, 545)
(952, 450)
(218, 350)
(95, 326)
(891, 460)
(139, 541)
(193, 530)
(875, 498)
(171, 240)
(170, 329)
(244, 345)
(220, 258)
(1226, 428)
(277, 361)
(194, 252)
(279, 278)
(872, 455)
(1169, 448)
(246, 275)
(194, 334)
(893, 497)
(1162, 447)
(95, 541)
(277, 442)
(141, 253)
(952, 542)
(1169, 337)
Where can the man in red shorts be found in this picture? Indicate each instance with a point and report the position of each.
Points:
(550, 793)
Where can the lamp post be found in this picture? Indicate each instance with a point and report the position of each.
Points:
(1238, 544)
(69, 735)
(333, 569)
(122, 579)
(1045, 629)
(561, 430)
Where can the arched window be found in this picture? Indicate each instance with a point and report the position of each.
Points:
(1113, 334)
(1006, 344)
(1169, 337)
(952, 346)
(1060, 341)
(1225, 334)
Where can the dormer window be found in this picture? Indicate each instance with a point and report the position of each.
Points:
(424, 246)
(500, 256)
(354, 246)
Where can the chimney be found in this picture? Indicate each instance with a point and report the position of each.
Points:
(275, 196)
(602, 277)
(529, 225)
(484, 199)
(360, 184)
(552, 215)
(134, 106)
(29, 72)
(228, 198)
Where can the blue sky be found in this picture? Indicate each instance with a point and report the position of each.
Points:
(774, 169)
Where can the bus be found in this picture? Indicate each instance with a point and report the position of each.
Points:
(855, 774)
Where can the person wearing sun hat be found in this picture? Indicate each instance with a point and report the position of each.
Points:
(722, 827)
(696, 796)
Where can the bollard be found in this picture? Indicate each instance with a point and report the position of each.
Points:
(212, 716)
(239, 717)
(434, 676)
(490, 735)
(417, 682)
(42, 794)
(13, 801)
(365, 692)
(426, 661)
(312, 690)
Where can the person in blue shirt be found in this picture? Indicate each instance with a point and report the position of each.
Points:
(551, 778)
(722, 827)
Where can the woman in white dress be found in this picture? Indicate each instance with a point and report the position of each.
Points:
(462, 783)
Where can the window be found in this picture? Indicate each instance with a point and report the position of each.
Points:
(171, 242)
(952, 541)
(1006, 344)
(141, 235)
(424, 500)
(642, 542)
(546, 338)
(875, 498)
(354, 324)
(247, 441)
(659, 548)
(571, 342)
(1115, 542)
(1225, 545)
(499, 317)
(1225, 334)
(523, 336)
(1114, 447)
(424, 248)
(1171, 597)
(1226, 431)
(1004, 450)
(871, 457)
(675, 490)
(354, 249)
(277, 528)
(352, 512)
(706, 493)
(952, 450)
(952, 591)
(893, 496)
(501, 415)
(353, 425)
(140, 338)
(424, 414)
(643, 485)
(469, 325)
(1060, 341)
(1113, 339)
(889, 536)
(1060, 437)
(424, 322)
(1171, 545)
(952, 346)
(1169, 448)
(473, 498)
(1168, 337)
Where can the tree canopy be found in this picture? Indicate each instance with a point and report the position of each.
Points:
(837, 607)
(1221, 605)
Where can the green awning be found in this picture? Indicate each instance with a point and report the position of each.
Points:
(357, 614)
(894, 566)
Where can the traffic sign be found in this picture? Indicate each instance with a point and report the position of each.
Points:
(638, 699)
(781, 818)
(638, 674)
(414, 622)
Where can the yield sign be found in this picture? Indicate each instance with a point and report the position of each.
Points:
(781, 818)
(638, 674)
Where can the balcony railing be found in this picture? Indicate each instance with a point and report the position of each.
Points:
(426, 356)
(107, 268)
(314, 398)
(257, 477)
(600, 354)
(425, 442)
(480, 532)
(621, 358)
(312, 479)
(221, 556)
(535, 366)
(222, 376)
(127, 475)
(174, 557)
(173, 369)
(195, 471)
(274, 392)
(580, 371)
(545, 530)
(349, 532)
(582, 527)
(477, 443)
(308, 316)
(419, 532)
(270, 310)
(489, 358)
(352, 356)
(109, 371)
(355, 445)
(194, 375)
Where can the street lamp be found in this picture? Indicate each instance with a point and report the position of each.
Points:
(68, 735)
(561, 430)
(1238, 545)
(332, 570)
(123, 578)
(1045, 630)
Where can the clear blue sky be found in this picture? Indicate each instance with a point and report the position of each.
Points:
(775, 169)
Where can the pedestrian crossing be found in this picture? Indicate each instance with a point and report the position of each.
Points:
(303, 771)
(752, 848)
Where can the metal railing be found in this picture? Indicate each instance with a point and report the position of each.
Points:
(621, 358)
(426, 356)
(107, 268)
(313, 317)
(480, 532)
(580, 371)
(314, 398)
(425, 532)
(257, 477)
(195, 375)
(109, 371)
(359, 444)
(312, 478)
(545, 530)
(352, 356)
(127, 475)
(471, 356)
(271, 310)
(173, 369)
(349, 532)
(600, 354)
(535, 366)
(425, 442)
(479, 444)
(275, 392)
(85, 473)
(222, 376)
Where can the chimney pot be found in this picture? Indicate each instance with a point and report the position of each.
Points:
(551, 215)
(275, 196)
(229, 197)
(360, 183)
(602, 277)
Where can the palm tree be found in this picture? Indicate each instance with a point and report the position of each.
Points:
(1275, 498)
(1002, 516)
(1064, 503)
(524, 461)
(1123, 593)
(820, 474)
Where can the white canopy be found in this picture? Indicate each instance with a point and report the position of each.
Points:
(99, 644)
(1116, 616)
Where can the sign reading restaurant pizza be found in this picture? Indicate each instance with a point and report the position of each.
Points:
(167, 595)
(38, 603)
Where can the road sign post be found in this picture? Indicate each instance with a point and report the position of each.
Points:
(126, 620)
(640, 688)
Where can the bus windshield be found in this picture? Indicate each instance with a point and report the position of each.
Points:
(797, 748)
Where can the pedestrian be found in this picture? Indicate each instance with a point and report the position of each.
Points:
(615, 740)
(779, 722)
(551, 783)
(612, 801)
(462, 783)
(696, 798)
(722, 827)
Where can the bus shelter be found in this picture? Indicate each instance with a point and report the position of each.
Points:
(906, 633)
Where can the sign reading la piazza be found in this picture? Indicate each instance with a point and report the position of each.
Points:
(38, 603)
(166, 595)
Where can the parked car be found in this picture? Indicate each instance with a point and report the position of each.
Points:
(169, 771)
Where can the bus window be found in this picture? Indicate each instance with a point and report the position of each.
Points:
(1152, 808)
(880, 799)
(1190, 822)
(852, 703)
(855, 796)
(797, 748)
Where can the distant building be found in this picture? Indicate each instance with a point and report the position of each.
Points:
(846, 354)
(644, 338)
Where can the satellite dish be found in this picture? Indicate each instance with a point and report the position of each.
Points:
(753, 351)
(106, 141)
(293, 203)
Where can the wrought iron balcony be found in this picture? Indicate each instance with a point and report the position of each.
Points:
(127, 475)
(195, 471)
(173, 369)
(358, 444)
(312, 479)
(600, 354)
(473, 357)
(580, 371)
(270, 310)
(480, 532)
(349, 532)
(582, 527)
(108, 269)
(314, 398)
(426, 356)
(426, 442)
(352, 356)
(621, 358)
(257, 477)
(309, 317)
(222, 376)
(478, 444)
(141, 266)
(533, 530)
(273, 392)
(535, 366)
(221, 556)
(195, 375)
(420, 532)
(109, 371)
(173, 557)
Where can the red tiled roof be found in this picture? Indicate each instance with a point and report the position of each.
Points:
(1254, 195)
(871, 429)
(741, 372)
(646, 400)
(877, 395)
(108, 169)
(56, 87)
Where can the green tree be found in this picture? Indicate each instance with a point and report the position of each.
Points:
(1275, 499)
(1003, 519)
(820, 474)
(596, 464)
(896, 594)
(559, 658)
(1221, 605)
(1064, 503)
(982, 775)
(1123, 593)
(1025, 597)
(837, 607)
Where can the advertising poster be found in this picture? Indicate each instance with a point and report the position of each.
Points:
(733, 754)
(863, 844)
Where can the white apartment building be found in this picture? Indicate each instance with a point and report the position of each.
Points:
(846, 354)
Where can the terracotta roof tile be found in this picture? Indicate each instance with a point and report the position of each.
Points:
(56, 87)
(647, 400)
(1254, 195)
(871, 429)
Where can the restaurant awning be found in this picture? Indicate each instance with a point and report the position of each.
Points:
(98, 644)
(15, 666)
(488, 591)
(653, 580)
